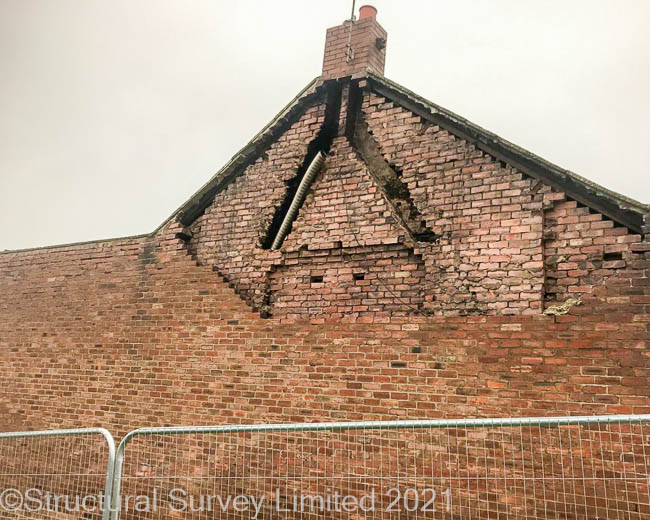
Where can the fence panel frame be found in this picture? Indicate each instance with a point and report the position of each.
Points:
(75, 432)
(359, 425)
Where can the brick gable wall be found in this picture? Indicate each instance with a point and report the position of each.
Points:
(158, 330)
(505, 243)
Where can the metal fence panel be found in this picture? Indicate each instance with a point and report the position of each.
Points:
(62, 474)
(535, 468)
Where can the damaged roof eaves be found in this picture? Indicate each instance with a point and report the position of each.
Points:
(621, 209)
(203, 197)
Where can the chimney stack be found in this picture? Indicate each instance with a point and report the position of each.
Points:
(353, 52)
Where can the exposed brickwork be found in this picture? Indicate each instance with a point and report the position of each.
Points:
(367, 55)
(581, 248)
(489, 258)
(345, 283)
(230, 234)
(131, 333)
(344, 205)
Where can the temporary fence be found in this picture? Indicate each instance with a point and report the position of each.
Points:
(534, 468)
(56, 474)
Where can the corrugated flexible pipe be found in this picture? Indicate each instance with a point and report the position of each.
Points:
(311, 172)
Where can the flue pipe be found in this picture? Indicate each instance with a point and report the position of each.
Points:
(311, 172)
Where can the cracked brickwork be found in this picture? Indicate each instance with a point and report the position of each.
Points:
(230, 234)
(489, 258)
(499, 242)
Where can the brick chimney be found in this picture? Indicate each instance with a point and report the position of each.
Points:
(367, 49)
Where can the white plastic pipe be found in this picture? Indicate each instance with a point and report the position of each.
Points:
(306, 181)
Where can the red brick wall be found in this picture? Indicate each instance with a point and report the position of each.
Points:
(509, 244)
(582, 249)
(231, 232)
(489, 258)
(132, 333)
(506, 243)
(149, 331)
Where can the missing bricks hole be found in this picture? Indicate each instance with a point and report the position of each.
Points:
(316, 279)
(397, 171)
(609, 257)
(426, 236)
(359, 276)
(184, 236)
(398, 364)
(416, 350)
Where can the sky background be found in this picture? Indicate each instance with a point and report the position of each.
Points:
(114, 112)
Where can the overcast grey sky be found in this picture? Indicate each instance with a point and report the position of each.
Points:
(113, 112)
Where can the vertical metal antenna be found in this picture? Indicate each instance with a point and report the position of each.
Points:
(350, 53)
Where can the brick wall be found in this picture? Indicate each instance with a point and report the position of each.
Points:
(412, 285)
(133, 333)
(582, 249)
(231, 233)
(505, 243)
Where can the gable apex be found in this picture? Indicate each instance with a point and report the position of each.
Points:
(619, 208)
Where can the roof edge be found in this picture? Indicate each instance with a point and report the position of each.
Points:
(618, 207)
(202, 198)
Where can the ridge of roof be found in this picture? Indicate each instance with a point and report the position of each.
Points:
(616, 206)
(196, 204)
